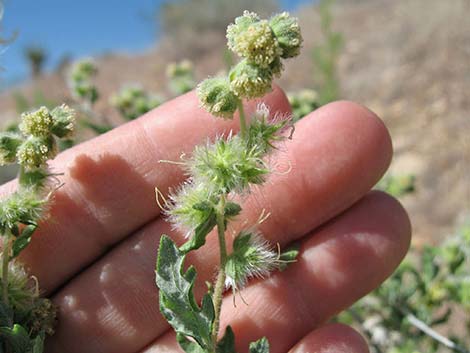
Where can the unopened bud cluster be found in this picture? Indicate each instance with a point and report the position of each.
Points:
(262, 44)
(37, 141)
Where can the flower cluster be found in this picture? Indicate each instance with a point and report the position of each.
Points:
(31, 149)
(262, 44)
(80, 80)
(134, 101)
(181, 77)
(303, 102)
(224, 166)
(37, 143)
(24, 316)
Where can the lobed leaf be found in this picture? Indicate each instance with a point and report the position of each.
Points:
(201, 231)
(38, 343)
(199, 238)
(260, 346)
(227, 343)
(177, 302)
(187, 345)
(23, 240)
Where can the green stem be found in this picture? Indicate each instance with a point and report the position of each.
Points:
(21, 175)
(220, 281)
(241, 115)
(5, 262)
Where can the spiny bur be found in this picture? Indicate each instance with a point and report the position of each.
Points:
(219, 173)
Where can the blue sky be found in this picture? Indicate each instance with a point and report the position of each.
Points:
(78, 28)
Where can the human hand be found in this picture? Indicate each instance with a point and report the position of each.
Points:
(96, 255)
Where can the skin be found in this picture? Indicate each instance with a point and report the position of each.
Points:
(96, 255)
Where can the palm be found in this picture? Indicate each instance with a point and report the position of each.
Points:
(96, 256)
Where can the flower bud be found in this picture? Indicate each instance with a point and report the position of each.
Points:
(24, 206)
(133, 102)
(83, 70)
(227, 165)
(9, 143)
(190, 206)
(34, 179)
(242, 23)
(37, 123)
(252, 256)
(86, 90)
(254, 40)
(250, 81)
(276, 67)
(262, 133)
(80, 80)
(287, 31)
(63, 121)
(181, 76)
(217, 98)
(35, 151)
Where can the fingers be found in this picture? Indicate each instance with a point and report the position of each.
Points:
(320, 185)
(335, 338)
(341, 262)
(332, 338)
(337, 154)
(338, 264)
(110, 182)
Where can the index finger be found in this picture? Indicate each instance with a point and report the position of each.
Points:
(110, 181)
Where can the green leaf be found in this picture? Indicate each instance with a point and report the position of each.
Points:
(34, 179)
(23, 240)
(232, 209)
(177, 302)
(227, 343)
(187, 345)
(260, 346)
(38, 343)
(199, 237)
(288, 256)
(17, 337)
(430, 269)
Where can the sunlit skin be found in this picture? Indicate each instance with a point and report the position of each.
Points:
(96, 255)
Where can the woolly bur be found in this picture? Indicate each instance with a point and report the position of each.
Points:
(219, 172)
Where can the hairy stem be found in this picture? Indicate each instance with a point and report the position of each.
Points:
(5, 262)
(241, 115)
(220, 281)
(21, 176)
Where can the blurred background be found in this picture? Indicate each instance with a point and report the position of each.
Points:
(408, 61)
